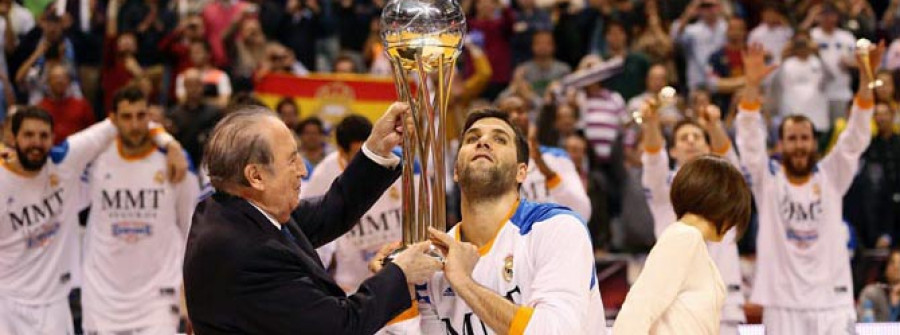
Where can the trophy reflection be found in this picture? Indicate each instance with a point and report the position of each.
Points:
(423, 39)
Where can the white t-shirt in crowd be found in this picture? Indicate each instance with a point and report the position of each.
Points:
(772, 39)
(839, 45)
(800, 85)
(565, 188)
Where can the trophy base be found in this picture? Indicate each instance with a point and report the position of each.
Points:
(432, 251)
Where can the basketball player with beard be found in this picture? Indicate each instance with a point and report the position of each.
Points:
(39, 204)
(511, 266)
(803, 277)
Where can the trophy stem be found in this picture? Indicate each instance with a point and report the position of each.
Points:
(408, 206)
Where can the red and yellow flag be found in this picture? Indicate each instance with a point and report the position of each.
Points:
(331, 97)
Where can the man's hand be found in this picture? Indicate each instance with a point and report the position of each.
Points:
(459, 257)
(416, 263)
(755, 71)
(176, 162)
(387, 132)
(377, 262)
(709, 117)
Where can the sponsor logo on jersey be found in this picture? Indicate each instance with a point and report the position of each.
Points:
(54, 180)
(41, 236)
(449, 292)
(507, 270)
(394, 193)
(131, 231)
(36, 213)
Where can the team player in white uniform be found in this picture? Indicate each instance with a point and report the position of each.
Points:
(39, 191)
(379, 226)
(551, 176)
(691, 139)
(511, 266)
(803, 275)
(136, 230)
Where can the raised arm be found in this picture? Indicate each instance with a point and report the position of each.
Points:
(841, 163)
(751, 130)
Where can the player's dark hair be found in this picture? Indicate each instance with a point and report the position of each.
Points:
(29, 112)
(478, 114)
(352, 129)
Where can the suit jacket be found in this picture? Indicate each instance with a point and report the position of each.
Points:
(243, 276)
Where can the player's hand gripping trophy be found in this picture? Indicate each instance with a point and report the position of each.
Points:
(666, 97)
(423, 38)
(863, 48)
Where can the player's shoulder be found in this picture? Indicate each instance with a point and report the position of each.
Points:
(553, 153)
(531, 215)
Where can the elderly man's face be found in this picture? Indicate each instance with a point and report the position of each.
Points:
(280, 183)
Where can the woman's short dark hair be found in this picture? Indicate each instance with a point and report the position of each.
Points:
(478, 114)
(711, 187)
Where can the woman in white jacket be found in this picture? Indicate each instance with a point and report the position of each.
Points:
(680, 290)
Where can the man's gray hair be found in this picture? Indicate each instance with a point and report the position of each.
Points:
(235, 143)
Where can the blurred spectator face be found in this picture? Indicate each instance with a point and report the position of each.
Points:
(133, 122)
(576, 147)
(892, 268)
(616, 38)
(737, 31)
(288, 114)
(798, 146)
(252, 32)
(344, 66)
(801, 46)
(656, 78)
(542, 45)
(884, 118)
(772, 17)
(193, 85)
(311, 136)
(33, 143)
(126, 44)
(279, 57)
(53, 29)
(690, 142)
(885, 92)
(156, 114)
(565, 119)
(58, 81)
(518, 112)
(709, 10)
(145, 84)
(199, 54)
(699, 99)
(829, 19)
(194, 27)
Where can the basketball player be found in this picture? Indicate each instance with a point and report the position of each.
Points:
(512, 266)
(692, 139)
(552, 176)
(39, 191)
(803, 275)
(136, 230)
(379, 226)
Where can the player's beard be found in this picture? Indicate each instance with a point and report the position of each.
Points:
(810, 156)
(31, 164)
(486, 183)
(135, 140)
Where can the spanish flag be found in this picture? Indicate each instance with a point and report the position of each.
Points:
(331, 97)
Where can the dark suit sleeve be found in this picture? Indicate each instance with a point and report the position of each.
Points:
(362, 183)
(287, 301)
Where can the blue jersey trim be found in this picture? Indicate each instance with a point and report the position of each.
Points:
(553, 151)
(59, 152)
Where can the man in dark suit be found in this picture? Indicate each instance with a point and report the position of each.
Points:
(250, 266)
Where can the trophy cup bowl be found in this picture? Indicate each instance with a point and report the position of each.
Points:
(863, 46)
(423, 39)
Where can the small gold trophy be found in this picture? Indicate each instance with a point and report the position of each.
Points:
(863, 47)
(665, 97)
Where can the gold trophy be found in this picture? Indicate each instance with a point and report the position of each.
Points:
(423, 38)
(665, 97)
(863, 47)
